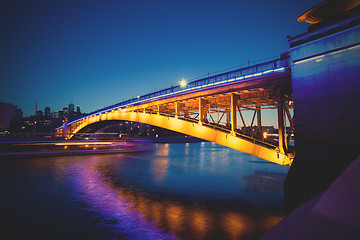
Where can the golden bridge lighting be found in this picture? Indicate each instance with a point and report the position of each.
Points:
(198, 108)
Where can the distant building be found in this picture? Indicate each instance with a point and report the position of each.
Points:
(60, 114)
(8, 113)
(55, 114)
(71, 108)
(39, 113)
(47, 111)
(65, 111)
(78, 109)
(254, 129)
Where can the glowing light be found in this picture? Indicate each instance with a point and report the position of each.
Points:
(265, 134)
(183, 83)
(268, 71)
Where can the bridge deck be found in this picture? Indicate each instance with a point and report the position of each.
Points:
(199, 109)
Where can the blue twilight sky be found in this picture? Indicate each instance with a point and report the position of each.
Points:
(97, 53)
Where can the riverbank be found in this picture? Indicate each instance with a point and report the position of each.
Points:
(333, 214)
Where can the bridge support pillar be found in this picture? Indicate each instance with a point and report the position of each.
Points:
(233, 112)
(177, 110)
(201, 110)
(281, 125)
(65, 127)
(228, 118)
(258, 118)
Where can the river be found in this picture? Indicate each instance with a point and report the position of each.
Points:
(176, 191)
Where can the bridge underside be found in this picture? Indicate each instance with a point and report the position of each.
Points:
(204, 132)
(232, 119)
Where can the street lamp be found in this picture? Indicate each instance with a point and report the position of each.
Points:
(183, 83)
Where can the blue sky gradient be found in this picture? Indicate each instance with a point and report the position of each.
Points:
(97, 53)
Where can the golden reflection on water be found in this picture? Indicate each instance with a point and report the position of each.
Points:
(174, 215)
(160, 165)
(200, 221)
(163, 150)
(186, 155)
(156, 211)
(235, 225)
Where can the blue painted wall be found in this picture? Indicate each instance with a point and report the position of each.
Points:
(325, 68)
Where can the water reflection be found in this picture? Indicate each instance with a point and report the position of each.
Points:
(177, 191)
(118, 208)
(236, 225)
(265, 181)
(160, 167)
(137, 213)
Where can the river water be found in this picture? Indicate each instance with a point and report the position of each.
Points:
(176, 191)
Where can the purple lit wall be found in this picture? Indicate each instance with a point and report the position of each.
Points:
(325, 65)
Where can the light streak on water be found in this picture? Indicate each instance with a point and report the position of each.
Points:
(117, 211)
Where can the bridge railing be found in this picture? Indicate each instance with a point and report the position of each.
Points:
(241, 74)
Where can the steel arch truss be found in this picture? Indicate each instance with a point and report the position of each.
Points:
(231, 119)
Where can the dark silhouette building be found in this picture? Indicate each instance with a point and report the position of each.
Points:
(8, 113)
(47, 111)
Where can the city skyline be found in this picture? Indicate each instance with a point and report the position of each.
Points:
(97, 54)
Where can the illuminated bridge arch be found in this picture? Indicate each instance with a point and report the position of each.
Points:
(213, 109)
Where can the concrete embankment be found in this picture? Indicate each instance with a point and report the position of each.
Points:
(333, 214)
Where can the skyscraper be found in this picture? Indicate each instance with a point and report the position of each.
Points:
(71, 108)
(47, 111)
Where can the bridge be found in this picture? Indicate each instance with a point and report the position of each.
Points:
(213, 108)
(318, 77)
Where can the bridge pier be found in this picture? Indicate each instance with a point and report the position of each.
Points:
(258, 118)
(177, 109)
(325, 67)
(233, 105)
(201, 110)
(281, 122)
